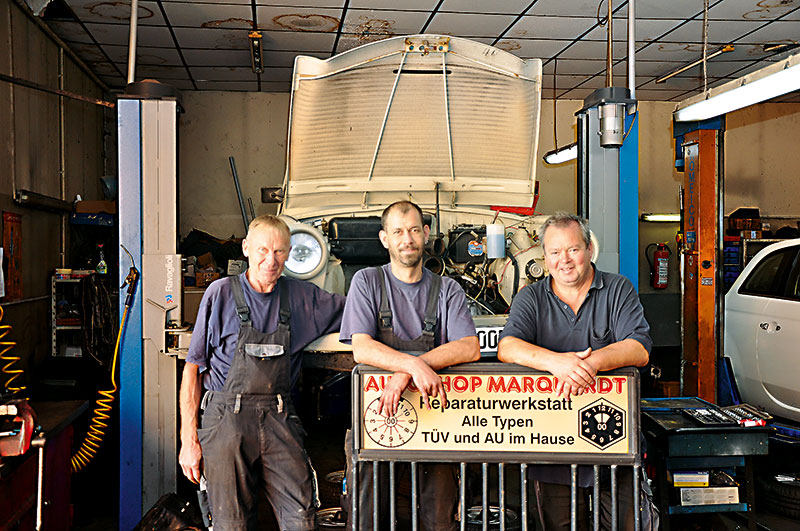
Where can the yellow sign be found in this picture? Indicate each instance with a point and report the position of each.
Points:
(503, 412)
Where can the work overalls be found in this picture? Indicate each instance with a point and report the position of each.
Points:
(438, 482)
(251, 434)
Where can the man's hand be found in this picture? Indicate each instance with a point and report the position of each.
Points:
(190, 458)
(392, 392)
(573, 370)
(428, 382)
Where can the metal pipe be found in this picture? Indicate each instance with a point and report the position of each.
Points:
(462, 497)
(386, 115)
(632, 49)
(12, 127)
(596, 499)
(30, 299)
(614, 499)
(523, 490)
(501, 490)
(637, 513)
(132, 41)
(573, 498)
(485, 497)
(447, 119)
(375, 504)
(40, 442)
(352, 488)
(60, 43)
(414, 500)
(392, 508)
(62, 158)
(609, 46)
(58, 92)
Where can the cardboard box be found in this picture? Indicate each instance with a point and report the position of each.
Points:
(96, 207)
(709, 495)
(690, 478)
(204, 278)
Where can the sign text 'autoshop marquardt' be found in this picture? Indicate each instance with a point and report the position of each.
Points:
(500, 412)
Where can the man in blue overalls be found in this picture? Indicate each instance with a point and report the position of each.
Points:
(246, 353)
(404, 319)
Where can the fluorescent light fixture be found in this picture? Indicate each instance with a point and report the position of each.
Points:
(255, 52)
(684, 68)
(562, 154)
(661, 218)
(769, 82)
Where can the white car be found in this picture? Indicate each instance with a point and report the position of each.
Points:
(762, 330)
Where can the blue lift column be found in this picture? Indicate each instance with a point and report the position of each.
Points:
(130, 363)
(608, 178)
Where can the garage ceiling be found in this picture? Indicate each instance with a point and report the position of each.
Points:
(204, 45)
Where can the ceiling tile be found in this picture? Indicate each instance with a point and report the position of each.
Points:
(89, 53)
(113, 81)
(377, 25)
(675, 83)
(348, 41)
(563, 82)
(298, 41)
(463, 24)
(513, 7)
(223, 73)
(108, 69)
(657, 95)
(209, 15)
(234, 2)
(646, 30)
(162, 73)
(115, 12)
(593, 50)
(234, 86)
(721, 32)
(576, 94)
(313, 4)
(551, 27)
(773, 33)
(527, 48)
(144, 55)
(70, 31)
(298, 19)
(394, 5)
(221, 39)
(749, 10)
(650, 68)
(675, 9)
(575, 66)
(158, 36)
(217, 57)
(571, 8)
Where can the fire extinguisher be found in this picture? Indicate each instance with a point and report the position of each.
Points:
(659, 265)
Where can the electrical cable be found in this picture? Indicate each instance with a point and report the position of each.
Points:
(103, 405)
(12, 373)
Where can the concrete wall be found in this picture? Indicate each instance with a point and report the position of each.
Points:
(31, 129)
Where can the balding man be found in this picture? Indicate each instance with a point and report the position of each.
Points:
(246, 354)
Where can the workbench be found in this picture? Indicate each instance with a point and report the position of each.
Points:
(678, 442)
(35, 487)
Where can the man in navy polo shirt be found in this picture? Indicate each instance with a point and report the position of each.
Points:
(577, 322)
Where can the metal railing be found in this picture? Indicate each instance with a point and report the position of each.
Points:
(510, 416)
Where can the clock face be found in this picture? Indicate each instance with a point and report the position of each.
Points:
(602, 424)
(393, 431)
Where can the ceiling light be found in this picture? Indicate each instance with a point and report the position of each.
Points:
(684, 68)
(769, 82)
(661, 218)
(255, 51)
(562, 154)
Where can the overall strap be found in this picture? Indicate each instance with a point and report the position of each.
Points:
(432, 309)
(285, 312)
(385, 315)
(242, 310)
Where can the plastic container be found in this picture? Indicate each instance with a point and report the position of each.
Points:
(495, 240)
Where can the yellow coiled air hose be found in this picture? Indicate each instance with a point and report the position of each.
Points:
(9, 360)
(98, 425)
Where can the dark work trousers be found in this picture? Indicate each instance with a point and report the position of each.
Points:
(438, 482)
(553, 501)
(250, 435)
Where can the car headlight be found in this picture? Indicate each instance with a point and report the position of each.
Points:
(309, 253)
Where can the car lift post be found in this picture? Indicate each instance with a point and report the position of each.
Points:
(699, 145)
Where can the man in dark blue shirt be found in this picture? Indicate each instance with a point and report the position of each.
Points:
(577, 322)
(246, 353)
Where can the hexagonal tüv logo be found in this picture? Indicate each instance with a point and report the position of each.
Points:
(602, 423)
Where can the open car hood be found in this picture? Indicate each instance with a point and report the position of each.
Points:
(383, 122)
